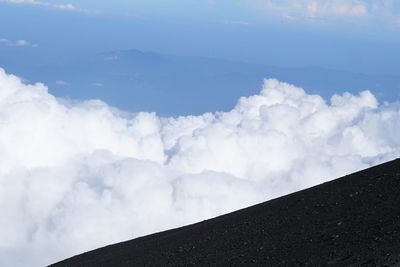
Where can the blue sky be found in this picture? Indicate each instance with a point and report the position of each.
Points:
(363, 12)
(216, 28)
(357, 36)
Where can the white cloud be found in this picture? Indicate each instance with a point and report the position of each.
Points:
(21, 43)
(396, 22)
(235, 22)
(62, 83)
(388, 11)
(78, 176)
(97, 84)
(336, 8)
(110, 58)
(17, 43)
(312, 9)
(45, 4)
(377, 12)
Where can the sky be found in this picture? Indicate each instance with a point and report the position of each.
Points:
(358, 36)
(82, 172)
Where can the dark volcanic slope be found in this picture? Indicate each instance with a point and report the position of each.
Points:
(354, 220)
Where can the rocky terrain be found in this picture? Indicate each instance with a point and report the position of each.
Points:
(351, 221)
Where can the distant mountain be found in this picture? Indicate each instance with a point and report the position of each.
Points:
(351, 221)
(175, 85)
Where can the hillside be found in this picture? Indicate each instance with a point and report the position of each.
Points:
(353, 220)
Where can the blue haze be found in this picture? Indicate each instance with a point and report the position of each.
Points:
(188, 62)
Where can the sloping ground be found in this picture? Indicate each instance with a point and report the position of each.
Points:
(354, 220)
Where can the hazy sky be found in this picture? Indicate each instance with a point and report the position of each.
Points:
(355, 35)
(363, 12)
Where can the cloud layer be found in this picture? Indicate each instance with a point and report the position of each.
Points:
(76, 176)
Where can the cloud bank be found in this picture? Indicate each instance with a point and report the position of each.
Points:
(76, 176)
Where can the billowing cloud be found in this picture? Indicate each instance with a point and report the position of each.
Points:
(76, 176)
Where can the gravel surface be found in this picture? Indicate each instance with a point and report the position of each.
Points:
(351, 221)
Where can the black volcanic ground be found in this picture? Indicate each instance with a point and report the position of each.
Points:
(354, 220)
